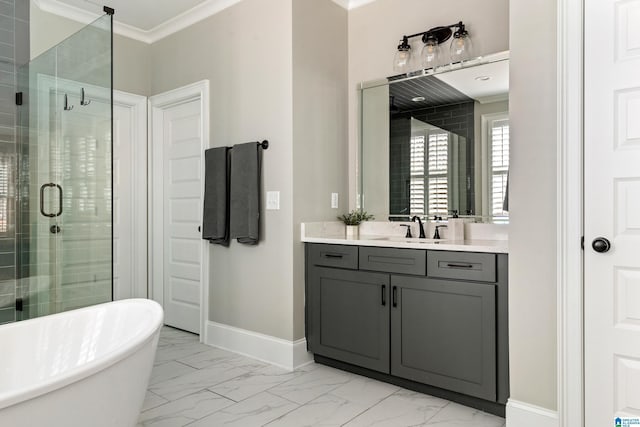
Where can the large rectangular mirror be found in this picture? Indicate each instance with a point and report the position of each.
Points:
(437, 143)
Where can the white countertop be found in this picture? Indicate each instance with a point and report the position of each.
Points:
(333, 233)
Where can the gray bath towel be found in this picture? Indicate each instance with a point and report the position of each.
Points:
(245, 193)
(215, 218)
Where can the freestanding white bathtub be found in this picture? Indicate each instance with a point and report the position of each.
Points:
(86, 367)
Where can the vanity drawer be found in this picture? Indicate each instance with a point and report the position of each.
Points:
(462, 265)
(341, 256)
(392, 260)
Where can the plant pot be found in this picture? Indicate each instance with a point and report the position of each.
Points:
(353, 232)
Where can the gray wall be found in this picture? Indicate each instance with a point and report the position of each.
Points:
(131, 58)
(245, 51)
(319, 125)
(274, 79)
(14, 51)
(532, 202)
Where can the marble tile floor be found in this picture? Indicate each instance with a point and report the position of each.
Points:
(200, 386)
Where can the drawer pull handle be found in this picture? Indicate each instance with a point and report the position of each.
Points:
(333, 255)
(395, 296)
(450, 265)
(384, 295)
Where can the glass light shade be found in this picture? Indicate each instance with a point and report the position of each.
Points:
(402, 60)
(461, 47)
(430, 54)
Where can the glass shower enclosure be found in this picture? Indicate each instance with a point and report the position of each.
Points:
(64, 192)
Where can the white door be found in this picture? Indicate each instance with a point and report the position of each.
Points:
(129, 196)
(612, 211)
(179, 133)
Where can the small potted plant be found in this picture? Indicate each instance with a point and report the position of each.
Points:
(352, 220)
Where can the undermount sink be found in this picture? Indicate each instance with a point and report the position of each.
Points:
(411, 240)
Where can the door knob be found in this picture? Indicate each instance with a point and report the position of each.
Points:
(601, 244)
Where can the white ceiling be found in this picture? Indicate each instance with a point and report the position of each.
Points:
(142, 14)
(470, 81)
(150, 20)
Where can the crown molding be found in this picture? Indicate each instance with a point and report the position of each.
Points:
(190, 17)
(173, 25)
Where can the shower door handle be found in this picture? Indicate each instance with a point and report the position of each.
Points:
(59, 200)
(42, 188)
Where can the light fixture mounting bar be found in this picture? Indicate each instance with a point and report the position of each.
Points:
(441, 33)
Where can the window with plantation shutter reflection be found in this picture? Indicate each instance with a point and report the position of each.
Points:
(416, 186)
(5, 176)
(437, 179)
(429, 157)
(499, 163)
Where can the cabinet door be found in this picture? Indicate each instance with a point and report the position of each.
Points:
(444, 334)
(350, 316)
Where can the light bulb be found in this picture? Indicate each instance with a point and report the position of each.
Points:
(430, 53)
(461, 45)
(401, 62)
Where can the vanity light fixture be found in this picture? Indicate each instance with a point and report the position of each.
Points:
(430, 56)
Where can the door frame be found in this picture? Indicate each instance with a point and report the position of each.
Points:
(137, 104)
(570, 195)
(157, 105)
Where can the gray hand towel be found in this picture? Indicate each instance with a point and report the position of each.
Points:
(215, 218)
(245, 193)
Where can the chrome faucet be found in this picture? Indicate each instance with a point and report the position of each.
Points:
(422, 235)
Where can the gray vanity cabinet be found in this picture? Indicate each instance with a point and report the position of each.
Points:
(434, 318)
(443, 333)
(347, 314)
(350, 316)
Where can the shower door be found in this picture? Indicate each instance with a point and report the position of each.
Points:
(65, 175)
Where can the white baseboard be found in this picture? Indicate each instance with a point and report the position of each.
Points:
(520, 414)
(276, 351)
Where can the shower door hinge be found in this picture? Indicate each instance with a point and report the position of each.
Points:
(582, 242)
(18, 98)
(18, 304)
(108, 10)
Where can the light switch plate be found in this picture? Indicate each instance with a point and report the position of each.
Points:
(334, 200)
(273, 200)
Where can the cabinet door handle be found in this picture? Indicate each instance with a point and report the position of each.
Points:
(384, 295)
(451, 265)
(395, 296)
(333, 255)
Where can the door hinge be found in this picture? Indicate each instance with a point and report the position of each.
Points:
(18, 304)
(18, 98)
(582, 242)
